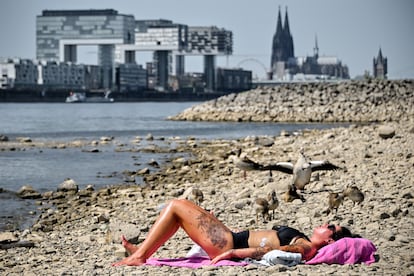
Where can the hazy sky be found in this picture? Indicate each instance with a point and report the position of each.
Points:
(352, 30)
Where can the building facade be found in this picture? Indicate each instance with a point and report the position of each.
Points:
(61, 75)
(18, 73)
(233, 80)
(49, 75)
(131, 77)
(209, 42)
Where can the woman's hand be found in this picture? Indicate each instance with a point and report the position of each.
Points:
(241, 253)
(223, 256)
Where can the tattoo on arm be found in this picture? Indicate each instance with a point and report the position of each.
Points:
(251, 252)
(258, 253)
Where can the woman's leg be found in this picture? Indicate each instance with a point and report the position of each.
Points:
(201, 226)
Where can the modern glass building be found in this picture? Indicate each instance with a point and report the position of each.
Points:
(59, 32)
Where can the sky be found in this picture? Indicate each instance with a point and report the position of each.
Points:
(351, 30)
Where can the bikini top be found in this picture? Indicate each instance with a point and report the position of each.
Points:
(288, 235)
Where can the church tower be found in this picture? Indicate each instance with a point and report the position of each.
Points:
(282, 47)
(380, 66)
(277, 46)
(287, 38)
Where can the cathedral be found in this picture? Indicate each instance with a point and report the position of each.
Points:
(285, 66)
(282, 48)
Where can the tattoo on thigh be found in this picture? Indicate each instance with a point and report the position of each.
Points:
(213, 229)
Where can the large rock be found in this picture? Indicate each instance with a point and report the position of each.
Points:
(6, 237)
(386, 132)
(69, 185)
(27, 192)
(24, 139)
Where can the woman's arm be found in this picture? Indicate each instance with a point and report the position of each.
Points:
(306, 250)
(254, 253)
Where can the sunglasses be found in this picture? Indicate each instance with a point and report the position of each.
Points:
(333, 229)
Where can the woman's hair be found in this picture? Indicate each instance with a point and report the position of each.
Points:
(344, 233)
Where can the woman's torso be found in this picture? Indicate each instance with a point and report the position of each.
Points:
(275, 238)
(263, 238)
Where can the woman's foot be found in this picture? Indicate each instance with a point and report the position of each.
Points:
(131, 260)
(129, 247)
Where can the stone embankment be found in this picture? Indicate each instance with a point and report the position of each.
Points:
(350, 101)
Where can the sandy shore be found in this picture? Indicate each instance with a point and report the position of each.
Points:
(80, 235)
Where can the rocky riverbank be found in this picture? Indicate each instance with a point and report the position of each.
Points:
(79, 232)
(350, 101)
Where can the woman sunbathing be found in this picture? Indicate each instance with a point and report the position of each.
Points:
(220, 243)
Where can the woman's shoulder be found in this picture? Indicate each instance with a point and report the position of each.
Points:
(308, 249)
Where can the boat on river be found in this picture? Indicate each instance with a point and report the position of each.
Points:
(81, 97)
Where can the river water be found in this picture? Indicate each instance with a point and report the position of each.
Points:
(45, 169)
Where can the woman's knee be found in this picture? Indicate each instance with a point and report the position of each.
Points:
(177, 203)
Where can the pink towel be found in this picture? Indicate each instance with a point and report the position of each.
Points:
(346, 251)
(192, 262)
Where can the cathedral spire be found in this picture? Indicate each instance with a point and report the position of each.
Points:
(279, 28)
(380, 58)
(287, 39)
(380, 66)
(277, 46)
(316, 48)
(286, 28)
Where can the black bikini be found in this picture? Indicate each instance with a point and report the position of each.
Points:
(285, 234)
(241, 239)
